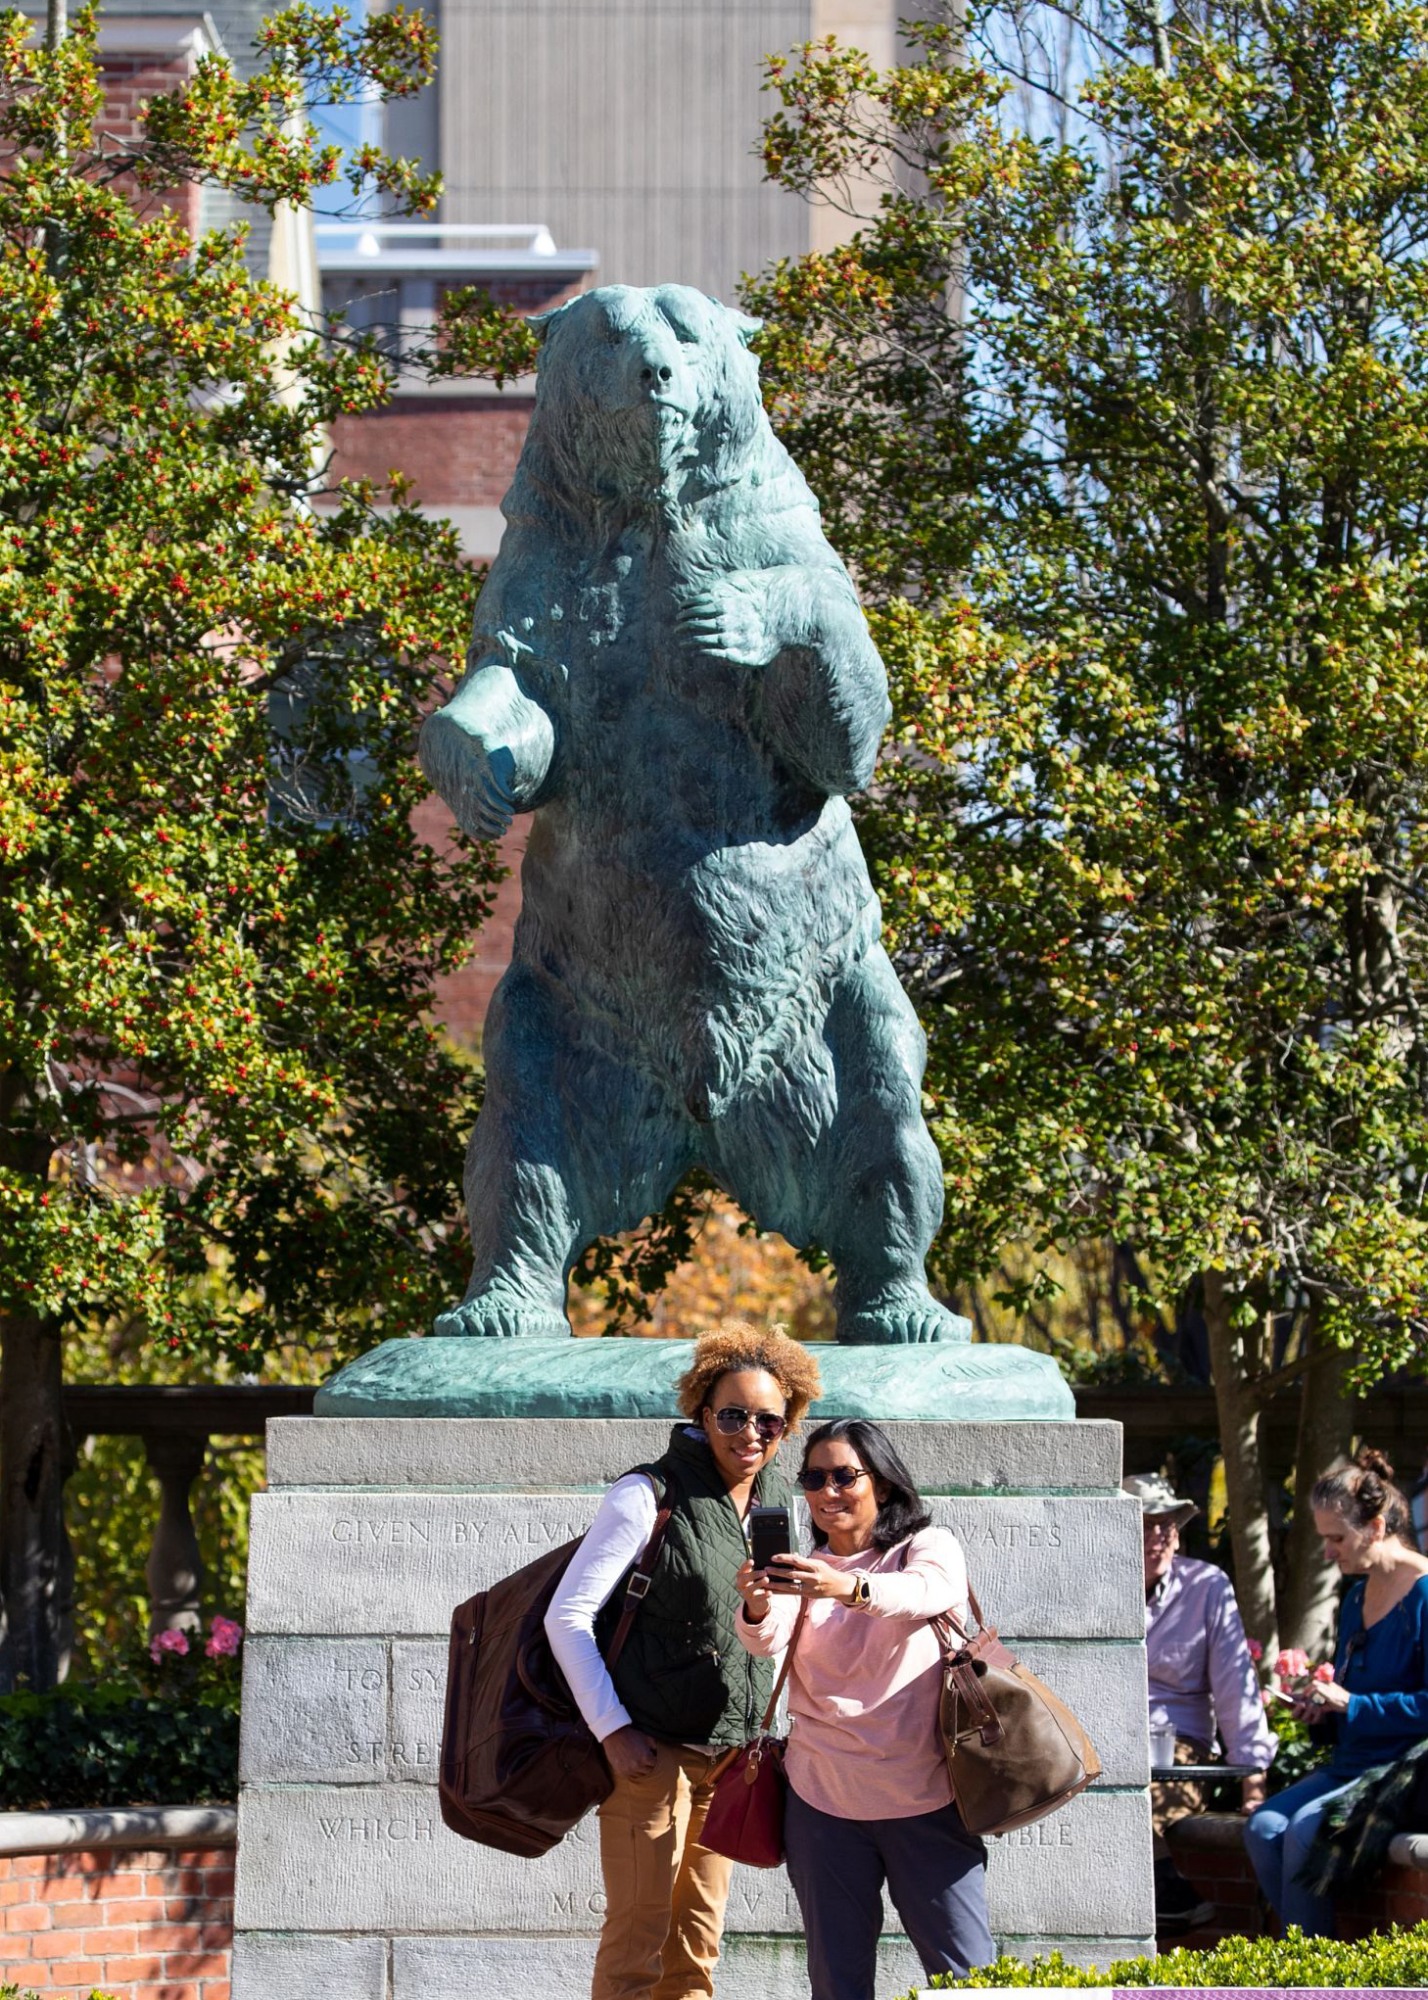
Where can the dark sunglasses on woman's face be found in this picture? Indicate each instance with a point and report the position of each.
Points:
(843, 1476)
(733, 1418)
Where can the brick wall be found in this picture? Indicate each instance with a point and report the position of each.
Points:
(460, 450)
(138, 1926)
(130, 81)
(1223, 1875)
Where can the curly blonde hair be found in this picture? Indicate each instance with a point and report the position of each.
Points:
(735, 1345)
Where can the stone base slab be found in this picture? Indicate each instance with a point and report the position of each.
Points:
(278, 1966)
(513, 1455)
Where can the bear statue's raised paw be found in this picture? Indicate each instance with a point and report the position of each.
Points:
(908, 1319)
(499, 1319)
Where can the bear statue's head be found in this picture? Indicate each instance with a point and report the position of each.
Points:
(646, 395)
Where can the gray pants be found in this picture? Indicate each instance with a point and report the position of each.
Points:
(935, 1872)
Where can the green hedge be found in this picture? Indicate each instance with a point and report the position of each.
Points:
(91, 1745)
(1393, 1958)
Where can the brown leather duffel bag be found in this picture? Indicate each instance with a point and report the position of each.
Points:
(519, 1767)
(1015, 1752)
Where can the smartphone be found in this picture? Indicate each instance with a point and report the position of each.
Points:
(768, 1535)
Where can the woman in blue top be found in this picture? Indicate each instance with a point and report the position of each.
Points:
(1378, 1698)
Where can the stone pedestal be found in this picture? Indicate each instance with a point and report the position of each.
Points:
(373, 1529)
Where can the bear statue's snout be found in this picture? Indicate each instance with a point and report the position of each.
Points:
(659, 370)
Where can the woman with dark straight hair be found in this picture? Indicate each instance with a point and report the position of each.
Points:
(1376, 1703)
(870, 1801)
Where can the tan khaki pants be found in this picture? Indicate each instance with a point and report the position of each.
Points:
(664, 1894)
(1170, 1802)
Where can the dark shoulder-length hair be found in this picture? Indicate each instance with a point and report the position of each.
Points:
(904, 1511)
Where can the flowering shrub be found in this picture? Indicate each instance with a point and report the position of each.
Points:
(161, 1731)
(183, 1665)
(1298, 1752)
(224, 1638)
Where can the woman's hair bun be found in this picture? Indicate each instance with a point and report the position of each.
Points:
(1363, 1493)
(1369, 1460)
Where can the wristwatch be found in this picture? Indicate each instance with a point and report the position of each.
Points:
(862, 1594)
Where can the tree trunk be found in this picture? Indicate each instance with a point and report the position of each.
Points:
(1326, 1430)
(1237, 1404)
(36, 1456)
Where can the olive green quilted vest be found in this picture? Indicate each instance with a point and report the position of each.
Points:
(683, 1674)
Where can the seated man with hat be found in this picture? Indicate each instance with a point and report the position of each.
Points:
(1202, 1684)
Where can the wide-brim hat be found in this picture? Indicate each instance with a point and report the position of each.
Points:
(1158, 1498)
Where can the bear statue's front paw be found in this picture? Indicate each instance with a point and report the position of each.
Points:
(498, 1319)
(726, 622)
(903, 1319)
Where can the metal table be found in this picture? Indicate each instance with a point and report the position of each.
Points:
(1161, 1774)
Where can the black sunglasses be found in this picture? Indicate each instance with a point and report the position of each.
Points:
(733, 1418)
(843, 1476)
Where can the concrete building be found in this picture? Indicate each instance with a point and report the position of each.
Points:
(629, 124)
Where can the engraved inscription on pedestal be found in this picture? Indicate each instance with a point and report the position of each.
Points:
(418, 1691)
(325, 1858)
(398, 1563)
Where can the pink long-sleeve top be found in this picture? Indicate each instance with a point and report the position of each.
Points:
(864, 1686)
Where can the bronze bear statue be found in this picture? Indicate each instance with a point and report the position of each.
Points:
(670, 670)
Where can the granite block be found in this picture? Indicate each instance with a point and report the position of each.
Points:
(314, 1711)
(283, 1966)
(750, 1968)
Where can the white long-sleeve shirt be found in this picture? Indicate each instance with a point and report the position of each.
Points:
(623, 1524)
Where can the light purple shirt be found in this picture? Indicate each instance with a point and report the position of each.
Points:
(1201, 1675)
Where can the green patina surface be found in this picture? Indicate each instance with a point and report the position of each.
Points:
(457, 1377)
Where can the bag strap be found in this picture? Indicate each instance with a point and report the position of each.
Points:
(955, 1639)
(772, 1709)
(641, 1576)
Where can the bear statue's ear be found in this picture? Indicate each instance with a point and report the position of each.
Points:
(744, 327)
(543, 322)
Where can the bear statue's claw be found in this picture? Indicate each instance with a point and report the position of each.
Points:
(901, 1322)
(498, 1319)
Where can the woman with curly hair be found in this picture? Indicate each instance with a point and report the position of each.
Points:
(683, 1691)
(1376, 1705)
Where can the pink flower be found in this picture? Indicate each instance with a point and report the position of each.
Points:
(1256, 1651)
(1292, 1664)
(1324, 1671)
(167, 1642)
(225, 1636)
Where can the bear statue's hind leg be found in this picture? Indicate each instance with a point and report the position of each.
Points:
(521, 1201)
(832, 1149)
(568, 1146)
(878, 1176)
